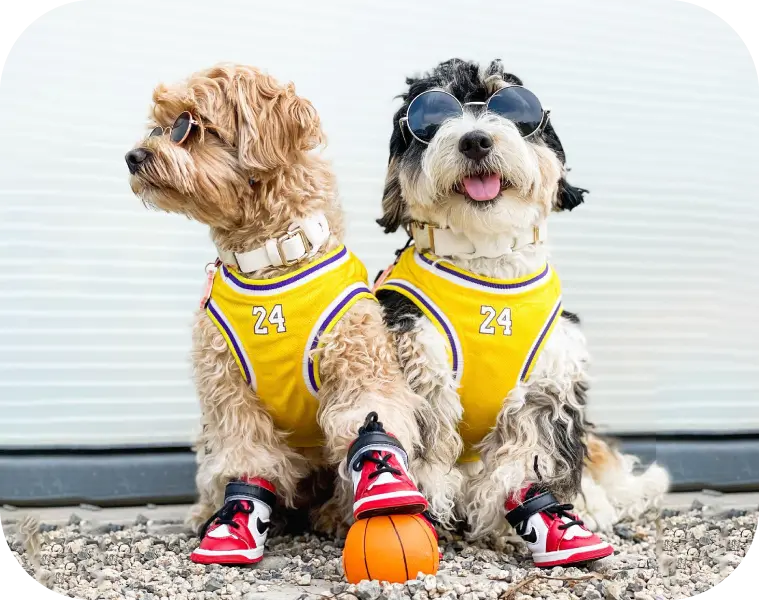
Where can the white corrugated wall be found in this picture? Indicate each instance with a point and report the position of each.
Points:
(656, 103)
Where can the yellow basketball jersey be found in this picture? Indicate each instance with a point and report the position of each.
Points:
(495, 329)
(273, 329)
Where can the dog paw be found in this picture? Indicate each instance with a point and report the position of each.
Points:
(198, 515)
(594, 507)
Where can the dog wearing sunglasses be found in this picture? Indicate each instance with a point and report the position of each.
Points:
(477, 314)
(292, 362)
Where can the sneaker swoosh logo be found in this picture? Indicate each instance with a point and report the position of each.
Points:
(530, 537)
(261, 526)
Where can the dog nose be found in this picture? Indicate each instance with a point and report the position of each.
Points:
(475, 144)
(135, 158)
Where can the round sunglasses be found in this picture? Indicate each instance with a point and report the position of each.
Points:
(430, 109)
(180, 130)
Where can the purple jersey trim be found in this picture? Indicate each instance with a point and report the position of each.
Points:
(489, 284)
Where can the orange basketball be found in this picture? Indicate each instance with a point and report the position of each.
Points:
(390, 548)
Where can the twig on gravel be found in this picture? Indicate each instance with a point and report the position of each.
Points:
(510, 594)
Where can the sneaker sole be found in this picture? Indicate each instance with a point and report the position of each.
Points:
(572, 557)
(402, 503)
(227, 557)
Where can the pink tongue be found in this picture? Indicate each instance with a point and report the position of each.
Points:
(484, 187)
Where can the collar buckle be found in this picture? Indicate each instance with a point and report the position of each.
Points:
(307, 247)
(421, 226)
(536, 238)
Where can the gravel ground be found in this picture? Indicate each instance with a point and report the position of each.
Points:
(679, 555)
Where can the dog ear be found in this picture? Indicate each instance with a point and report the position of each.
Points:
(568, 196)
(392, 200)
(393, 206)
(273, 122)
(305, 126)
(495, 69)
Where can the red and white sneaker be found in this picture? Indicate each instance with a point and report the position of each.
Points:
(236, 533)
(379, 468)
(555, 536)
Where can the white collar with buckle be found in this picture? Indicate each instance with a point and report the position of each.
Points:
(304, 238)
(445, 242)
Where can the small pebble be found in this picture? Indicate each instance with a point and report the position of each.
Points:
(368, 590)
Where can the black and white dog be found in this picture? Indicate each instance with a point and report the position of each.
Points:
(475, 170)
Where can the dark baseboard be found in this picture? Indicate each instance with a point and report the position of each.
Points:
(137, 476)
(724, 463)
(102, 479)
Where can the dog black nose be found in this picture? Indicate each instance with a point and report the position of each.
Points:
(475, 144)
(135, 158)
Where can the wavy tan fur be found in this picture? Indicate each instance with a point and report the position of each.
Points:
(248, 174)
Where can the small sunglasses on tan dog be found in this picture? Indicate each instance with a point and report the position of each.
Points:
(180, 130)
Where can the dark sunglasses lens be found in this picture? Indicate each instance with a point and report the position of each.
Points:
(518, 105)
(156, 131)
(429, 111)
(181, 128)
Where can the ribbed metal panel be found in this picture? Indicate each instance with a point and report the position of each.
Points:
(656, 103)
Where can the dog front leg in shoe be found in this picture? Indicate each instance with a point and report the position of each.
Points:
(244, 464)
(532, 463)
(369, 416)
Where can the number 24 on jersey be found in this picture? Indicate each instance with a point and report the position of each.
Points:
(503, 320)
(276, 318)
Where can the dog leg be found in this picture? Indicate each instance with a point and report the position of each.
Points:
(244, 462)
(422, 356)
(532, 463)
(360, 376)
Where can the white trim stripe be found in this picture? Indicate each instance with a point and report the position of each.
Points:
(217, 313)
(544, 557)
(471, 282)
(532, 355)
(387, 496)
(297, 280)
(321, 324)
(453, 338)
(252, 553)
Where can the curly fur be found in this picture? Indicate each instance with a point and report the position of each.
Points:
(247, 174)
(542, 434)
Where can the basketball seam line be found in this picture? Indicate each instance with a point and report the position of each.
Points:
(366, 563)
(429, 540)
(403, 550)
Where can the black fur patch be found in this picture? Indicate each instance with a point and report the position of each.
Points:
(570, 316)
(571, 447)
(581, 393)
(400, 313)
(569, 196)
